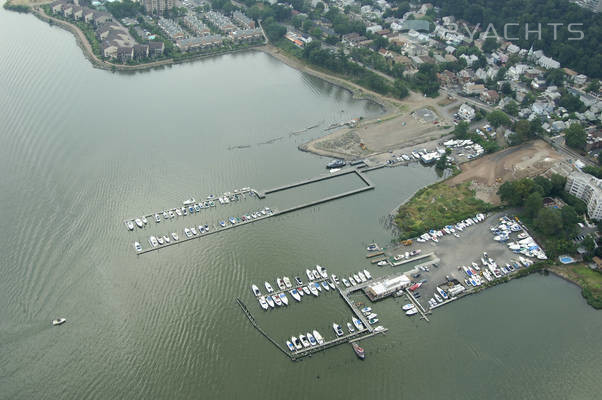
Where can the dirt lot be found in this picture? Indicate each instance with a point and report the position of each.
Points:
(487, 173)
(399, 129)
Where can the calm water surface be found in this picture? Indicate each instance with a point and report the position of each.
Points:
(81, 149)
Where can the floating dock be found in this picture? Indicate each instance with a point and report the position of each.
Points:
(263, 194)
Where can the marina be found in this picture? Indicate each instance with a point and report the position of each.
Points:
(191, 206)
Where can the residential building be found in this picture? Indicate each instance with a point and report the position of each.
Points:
(196, 25)
(588, 189)
(220, 21)
(202, 42)
(242, 20)
(466, 112)
(171, 28)
(157, 6)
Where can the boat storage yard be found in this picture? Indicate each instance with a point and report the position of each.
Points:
(444, 266)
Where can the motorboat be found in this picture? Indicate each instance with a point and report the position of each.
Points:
(280, 283)
(304, 340)
(317, 286)
(166, 239)
(331, 285)
(312, 339)
(171, 214)
(232, 220)
(295, 294)
(197, 208)
(382, 263)
(300, 291)
(439, 299)
(138, 222)
(412, 311)
(193, 230)
(373, 321)
(407, 307)
(366, 310)
(178, 212)
(356, 278)
(290, 346)
(144, 220)
(352, 281)
(287, 282)
(153, 241)
(313, 290)
(441, 292)
(372, 315)
(189, 201)
(270, 301)
(130, 225)
(165, 215)
(306, 290)
(296, 343)
(184, 211)
(350, 327)
(263, 303)
(336, 163)
(201, 229)
(298, 281)
(337, 329)
(358, 350)
(316, 274)
(160, 240)
(58, 321)
(284, 299)
(137, 246)
(367, 274)
(372, 247)
(335, 279)
(346, 282)
(358, 324)
(318, 337)
(322, 271)
(325, 286)
(222, 224)
(362, 276)
(174, 236)
(157, 218)
(255, 290)
(310, 275)
(277, 300)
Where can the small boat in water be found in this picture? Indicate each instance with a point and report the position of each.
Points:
(312, 339)
(332, 286)
(270, 301)
(174, 236)
(153, 241)
(318, 337)
(255, 290)
(144, 220)
(304, 340)
(290, 346)
(296, 343)
(358, 350)
(160, 240)
(362, 276)
(352, 281)
(346, 282)
(367, 274)
(139, 222)
(157, 218)
(287, 281)
(130, 225)
(366, 310)
(317, 286)
(58, 321)
(277, 300)
(310, 275)
(412, 311)
(382, 263)
(373, 321)
(284, 299)
(280, 283)
(350, 327)
(322, 271)
(137, 247)
(188, 202)
(298, 281)
(407, 307)
(306, 290)
(325, 286)
(268, 287)
(337, 329)
(295, 294)
(357, 278)
(313, 290)
(263, 303)
(358, 324)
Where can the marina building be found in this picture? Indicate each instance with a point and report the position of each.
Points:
(588, 189)
(381, 289)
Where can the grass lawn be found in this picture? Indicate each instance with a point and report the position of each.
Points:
(589, 280)
(436, 206)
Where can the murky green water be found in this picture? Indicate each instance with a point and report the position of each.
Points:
(82, 149)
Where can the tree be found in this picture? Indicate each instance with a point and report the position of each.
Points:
(571, 102)
(489, 45)
(511, 108)
(426, 80)
(549, 221)
(507, 89)
(498, 118)
(594, 86)
(441, 163)
(554, 77)
(569, 216)
(533, 204)
(461, 130)
(589, 243)
(558, 181)
(575, 137)
(544, 183)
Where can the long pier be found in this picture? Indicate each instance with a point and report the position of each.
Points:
(262, 195)
(417, 305)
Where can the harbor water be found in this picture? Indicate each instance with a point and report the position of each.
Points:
(81, 149)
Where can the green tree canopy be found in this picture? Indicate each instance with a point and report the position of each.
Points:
(575, 136)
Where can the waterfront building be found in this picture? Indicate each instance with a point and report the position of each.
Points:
(157, 6)
(242, 20)
(220, 21)
(384, 288)
(196, 25)
(589, 189)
